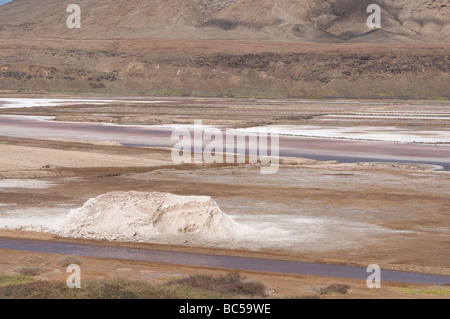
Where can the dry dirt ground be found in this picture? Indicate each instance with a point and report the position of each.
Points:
(353, 203)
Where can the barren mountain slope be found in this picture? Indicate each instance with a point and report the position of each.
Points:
(311, 49)
(296, 20)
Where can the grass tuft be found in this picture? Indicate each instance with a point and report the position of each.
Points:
(438, 98)
(13, 280)
(29, 271)
(414, 291)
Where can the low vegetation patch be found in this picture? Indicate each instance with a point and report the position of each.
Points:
(232, 283)
(196, 287)
(65, 261)
(335, 289)
(438, 98)
(13, 280)
(309, 297)
(29, 271)
(414, 291)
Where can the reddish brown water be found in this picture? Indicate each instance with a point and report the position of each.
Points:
(346, 151)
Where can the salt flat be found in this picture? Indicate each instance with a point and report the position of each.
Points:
(17, 103)
(373, 133)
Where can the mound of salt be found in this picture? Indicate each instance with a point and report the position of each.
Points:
(138, 216)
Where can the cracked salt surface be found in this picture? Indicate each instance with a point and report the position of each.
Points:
(31, 219)
(24, 183)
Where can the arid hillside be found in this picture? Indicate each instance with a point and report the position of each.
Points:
(295, 20)
(241, 48)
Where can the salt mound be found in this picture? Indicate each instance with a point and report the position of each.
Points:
(138, 216)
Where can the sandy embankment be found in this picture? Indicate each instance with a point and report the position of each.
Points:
(34, 161)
